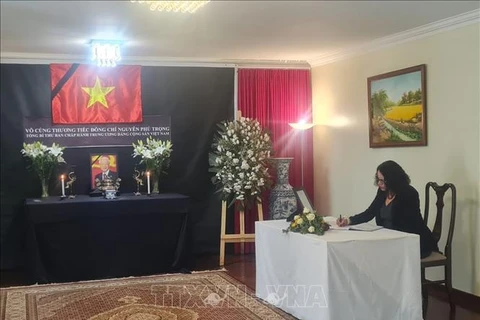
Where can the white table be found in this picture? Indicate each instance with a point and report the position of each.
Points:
(342, 275)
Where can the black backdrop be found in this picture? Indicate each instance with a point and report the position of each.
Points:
(195, 98)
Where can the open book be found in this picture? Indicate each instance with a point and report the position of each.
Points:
(357, 227)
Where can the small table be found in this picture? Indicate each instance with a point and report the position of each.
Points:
(341, 275)
(93, 238)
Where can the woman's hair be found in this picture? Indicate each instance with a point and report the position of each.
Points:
(395, 177)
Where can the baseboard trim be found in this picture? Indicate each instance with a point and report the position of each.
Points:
(461, 298)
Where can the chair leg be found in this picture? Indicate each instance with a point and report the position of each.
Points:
(448, 283)
(451, 316)
(424, 295)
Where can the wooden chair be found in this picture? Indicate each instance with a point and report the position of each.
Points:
(437, 259)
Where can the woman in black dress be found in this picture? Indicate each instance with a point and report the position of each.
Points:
(396, 206)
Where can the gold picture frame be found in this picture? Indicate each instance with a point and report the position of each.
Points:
(397, 108)
(99, 164)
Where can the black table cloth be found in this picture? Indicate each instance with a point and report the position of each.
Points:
(94, 238)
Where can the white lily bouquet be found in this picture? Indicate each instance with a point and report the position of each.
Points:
(155, 154)
(240, 161)
(43, 160)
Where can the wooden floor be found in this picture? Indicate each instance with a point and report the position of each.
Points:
(242, 268)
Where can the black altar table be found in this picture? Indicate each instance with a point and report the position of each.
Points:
(93, 238)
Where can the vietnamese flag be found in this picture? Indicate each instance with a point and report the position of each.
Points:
(90, 94)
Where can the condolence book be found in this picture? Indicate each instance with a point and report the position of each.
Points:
(358, 227)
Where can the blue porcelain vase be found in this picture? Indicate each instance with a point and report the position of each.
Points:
(283, 201)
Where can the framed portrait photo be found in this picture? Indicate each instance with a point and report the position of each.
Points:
(103, 166)
(397, 108)
(302, 200)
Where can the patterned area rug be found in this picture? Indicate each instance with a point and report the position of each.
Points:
(206, 295)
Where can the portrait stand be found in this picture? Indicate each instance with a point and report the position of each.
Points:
(241, 237)
(303, 200)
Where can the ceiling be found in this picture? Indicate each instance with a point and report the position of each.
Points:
(235, 31)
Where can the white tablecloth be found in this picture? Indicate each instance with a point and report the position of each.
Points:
(342, 275)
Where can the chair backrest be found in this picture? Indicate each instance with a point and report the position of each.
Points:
(437, 229)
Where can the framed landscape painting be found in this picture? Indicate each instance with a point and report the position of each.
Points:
(397, 108)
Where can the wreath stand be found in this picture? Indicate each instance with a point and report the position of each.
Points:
(242, 237)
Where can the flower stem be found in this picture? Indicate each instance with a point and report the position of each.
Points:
(44, 188)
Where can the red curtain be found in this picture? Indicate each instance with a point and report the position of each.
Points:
(276, 98)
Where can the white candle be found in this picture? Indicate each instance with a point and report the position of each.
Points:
(148, 182)
(63, 185)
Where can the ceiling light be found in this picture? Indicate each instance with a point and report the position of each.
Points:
(105, 53)
(175, 6)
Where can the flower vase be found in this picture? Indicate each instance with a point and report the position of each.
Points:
(155, 185)
(283, 201)
(44, 188)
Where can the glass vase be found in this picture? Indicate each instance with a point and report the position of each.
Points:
(155, 178)
(155, 185)
(44, 188)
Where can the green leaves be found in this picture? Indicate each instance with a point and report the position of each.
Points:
(239, 158)
(308, 223)
(43, 159)
(155, 154)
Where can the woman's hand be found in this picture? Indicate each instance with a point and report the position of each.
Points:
(342, 222)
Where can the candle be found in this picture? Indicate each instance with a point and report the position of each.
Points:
(148, 182)
(63, 185)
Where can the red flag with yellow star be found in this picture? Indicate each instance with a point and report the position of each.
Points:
(90, 94)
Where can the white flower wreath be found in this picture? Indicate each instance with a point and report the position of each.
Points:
(240, 161)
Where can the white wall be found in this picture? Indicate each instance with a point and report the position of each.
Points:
(345, 165)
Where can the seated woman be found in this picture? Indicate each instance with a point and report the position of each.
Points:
(396, 206)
